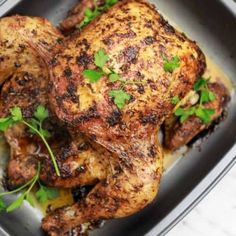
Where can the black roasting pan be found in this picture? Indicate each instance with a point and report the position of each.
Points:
(212, 23)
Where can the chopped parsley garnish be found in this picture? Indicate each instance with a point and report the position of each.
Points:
(172, 64)
(93, 75)
(34, 124)
(100, 60)
(46, 193)
(204, 114)
(201, 86)
(43, 194)
(90, 15)
(3, 206)
(175, 100)
(120, 97)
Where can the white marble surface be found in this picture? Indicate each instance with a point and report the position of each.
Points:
(215, 215)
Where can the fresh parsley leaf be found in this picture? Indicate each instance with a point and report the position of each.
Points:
(171, 65)
(29, 199)
(110, 3)
(5, 123)
(184, 114)
(206, 96)
(16, 114)
(41, 113)
(212, 96)
(204, 114)
(92, 75)
(175, 100)
(45, 193)
(2, 205)
(16, 204)
(89, 16)
(100, 58)
(35, 126)
(114, 77)
(120, 97)
(45, 133)
(200, 83)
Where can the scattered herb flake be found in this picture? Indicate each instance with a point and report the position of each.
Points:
(5, 123)
(175, 100)
(16, 113)
(45, 193)
(171, 65)
(41, 113)
(90, 15)
(184, 114)
(100, 58)
(114, 77)
(120, 97)
(204, 114)
(93, 75)
(200, 83)
(16, 204)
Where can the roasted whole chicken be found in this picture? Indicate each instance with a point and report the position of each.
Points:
(95, 141)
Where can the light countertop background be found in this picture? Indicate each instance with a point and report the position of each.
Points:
(215, 215)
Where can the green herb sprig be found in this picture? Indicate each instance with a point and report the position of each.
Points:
(204, 114)
(46, 193)
(175, 100)
(43, 194)
(172, 64)
(90, 15)
(34, 124)
(93, 75)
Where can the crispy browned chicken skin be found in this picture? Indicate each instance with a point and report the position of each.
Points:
(136, 39)
(128, 168)
(26, 85)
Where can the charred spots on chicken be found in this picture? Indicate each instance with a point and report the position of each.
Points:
(140, 88)
(59, 40)
(83, 60)
(167, 27)
(72, 92)
(149, 119)
(108, 41)
(114, 118)
(148, 24)
(131, 54)
(67, 72)
(22, 81)
(17, 64)
(80, 169)
(84, 44)
(53, 61)
(129, 34)
(91, 113)
(149, 40)
(84, 146)
(80, 193)
(152, 151)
